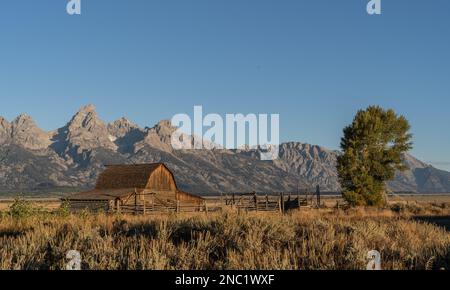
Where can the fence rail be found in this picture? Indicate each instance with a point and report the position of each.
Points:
(155, 208)
(280, 202)
(246, 202)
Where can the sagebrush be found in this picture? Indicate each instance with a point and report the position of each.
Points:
(301, 240)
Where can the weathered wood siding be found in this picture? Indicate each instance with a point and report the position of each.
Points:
(188, 198)
(161, 179)
(162, 183)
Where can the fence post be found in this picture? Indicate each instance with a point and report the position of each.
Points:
(135, 202)
(267, 202)
(153, 202)
(280, 206)
(318, 195)
(143, 201)
(206, 207)
(178, 206)
(247, 204)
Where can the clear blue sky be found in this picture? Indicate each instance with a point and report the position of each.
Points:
(315, 62)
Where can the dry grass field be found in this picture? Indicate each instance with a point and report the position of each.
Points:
(44, 203)
(330, 201)
(408, 235)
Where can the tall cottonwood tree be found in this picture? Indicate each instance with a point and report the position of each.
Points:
(373, 146)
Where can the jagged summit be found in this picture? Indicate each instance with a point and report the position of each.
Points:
(24, 131)
(125, 134)
(163, 129)
(157, 137)
(121, 127)
(87, 131)
(86, 118)
(87, 108)
(413, 162)
(22, 118)
(5, 130)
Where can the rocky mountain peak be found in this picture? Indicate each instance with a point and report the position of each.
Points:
(125, 134)
(164, 130)
(124, 122)
(86, 118)
(412, 162)
(4, 123)
(159, 136)
(121, 127)
(5, 130)
(86, 131)
(89, 108)
(23, 120)
(27, 134)
(164, 127)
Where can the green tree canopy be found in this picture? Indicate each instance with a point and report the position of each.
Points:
(373, 146)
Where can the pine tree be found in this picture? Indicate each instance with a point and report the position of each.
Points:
(373, 146)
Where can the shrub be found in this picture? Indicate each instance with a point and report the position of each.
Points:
(22, 208)
(64, 209)
(307, 240)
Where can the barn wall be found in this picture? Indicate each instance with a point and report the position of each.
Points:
(184, 197)
(165, 195)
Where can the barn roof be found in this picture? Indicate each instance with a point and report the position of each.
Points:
(126, 176)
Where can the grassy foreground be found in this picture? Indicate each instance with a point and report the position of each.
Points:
(312, 239)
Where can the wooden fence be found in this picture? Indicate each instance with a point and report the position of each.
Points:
(175, 207)
(242, 202)
(281, 202)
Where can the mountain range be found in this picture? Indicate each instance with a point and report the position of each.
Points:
(71, 157)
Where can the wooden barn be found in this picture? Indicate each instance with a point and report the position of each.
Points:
(139, 188)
